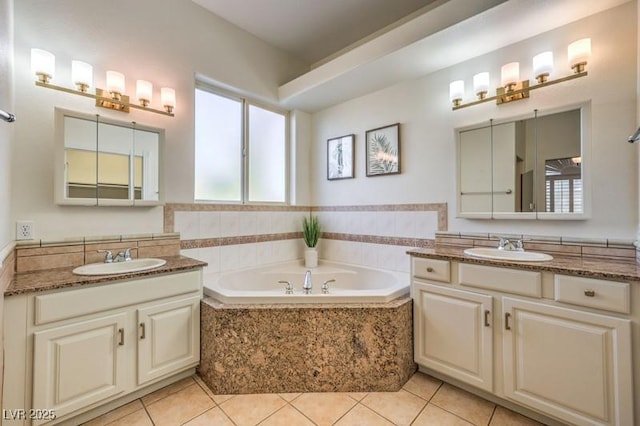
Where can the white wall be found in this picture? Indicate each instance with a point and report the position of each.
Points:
(166, 42)
(428, 138)
(6, 129)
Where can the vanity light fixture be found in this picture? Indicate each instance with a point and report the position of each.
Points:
(512, 88)
(43, 66)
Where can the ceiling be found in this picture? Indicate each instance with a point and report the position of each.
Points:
(312, 30)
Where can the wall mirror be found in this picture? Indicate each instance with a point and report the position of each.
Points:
(532, 167)
(106, 162)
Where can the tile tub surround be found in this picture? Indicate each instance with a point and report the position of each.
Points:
(311, 348)
(366, 235)
(37, 255)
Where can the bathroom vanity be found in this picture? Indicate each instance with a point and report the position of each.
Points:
(74, 343)
(554, 337)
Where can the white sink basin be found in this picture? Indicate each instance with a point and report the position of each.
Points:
(519, 256)
(135, 265)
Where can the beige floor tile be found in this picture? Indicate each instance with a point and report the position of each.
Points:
(215, 416)
(357, 395)
(252, 409)
(464, 404)
(362, 416)
(204, 386)
(219, 399)
(116, 414)
(324, 408)
(436, 416)
(137, 418)
(166, 391)
(400, 407)
(180, 406)
(287, 416)
(422, 385)
(504, 417)
(289, 396)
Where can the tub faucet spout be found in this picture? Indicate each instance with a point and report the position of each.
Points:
(307, 286)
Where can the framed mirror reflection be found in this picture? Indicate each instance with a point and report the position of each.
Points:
(532, 167)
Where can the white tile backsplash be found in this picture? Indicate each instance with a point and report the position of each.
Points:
(229, 224)
(211, 255)
(209, 224)
(405, 224)
(187, 224)
(385, 224)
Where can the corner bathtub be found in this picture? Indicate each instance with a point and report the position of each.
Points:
(353, 284)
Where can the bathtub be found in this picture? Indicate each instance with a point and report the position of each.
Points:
(353, 284)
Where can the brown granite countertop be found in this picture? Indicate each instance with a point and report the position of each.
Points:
(591, 267)
(51, 279)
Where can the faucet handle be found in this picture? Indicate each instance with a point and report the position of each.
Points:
(288, 289)
(127, 255)
(503, 242)
(325, 286)
(108, 255)
(519, 245)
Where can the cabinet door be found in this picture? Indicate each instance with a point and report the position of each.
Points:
(169, 338)
(453, 333)
(79, 364)
(567, 363)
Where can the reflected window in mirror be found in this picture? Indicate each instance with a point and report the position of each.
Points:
(563, 185)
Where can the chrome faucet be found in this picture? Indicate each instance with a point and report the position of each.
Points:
(123, 256)
(325, 286)
(108, 256)
(307, 286)
(507, 245)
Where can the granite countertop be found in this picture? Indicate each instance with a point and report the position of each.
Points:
(591, 267)
(51, 279)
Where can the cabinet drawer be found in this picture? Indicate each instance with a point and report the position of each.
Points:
(515, 281)
(600, 294)
(431, 269)
(83, 301)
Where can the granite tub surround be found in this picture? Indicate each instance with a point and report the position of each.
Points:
(57, 278)
(37, 255)
(587, 266)
(310, 348)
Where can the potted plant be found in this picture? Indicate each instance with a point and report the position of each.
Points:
(311, 234)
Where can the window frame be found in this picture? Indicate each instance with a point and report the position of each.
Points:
(245, 147)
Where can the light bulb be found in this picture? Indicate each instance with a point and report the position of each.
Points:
(144, 91)
(510, 75)
(43, 64)
(579, 53)
(168, 97)
(82, 75)
(542, 66)
(115, 84)
(481, 84)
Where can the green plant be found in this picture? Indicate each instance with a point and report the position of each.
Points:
(311, 231)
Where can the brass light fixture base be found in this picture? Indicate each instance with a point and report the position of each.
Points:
(513, 92)
(110, 100)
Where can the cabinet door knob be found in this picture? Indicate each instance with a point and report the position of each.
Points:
(589, 293)
(121, 332)
(429, 269)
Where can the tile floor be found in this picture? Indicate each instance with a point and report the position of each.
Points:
(422, 401)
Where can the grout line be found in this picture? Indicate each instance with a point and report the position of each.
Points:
(348, 411)
(419, 413)
(227, 414)
(299, 411)
(144, 407)
(495, 407)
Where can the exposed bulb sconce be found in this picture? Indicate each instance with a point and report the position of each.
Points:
(512, 88)
(113, 97)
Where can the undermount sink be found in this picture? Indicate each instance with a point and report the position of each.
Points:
(494, 253)
(135, 265)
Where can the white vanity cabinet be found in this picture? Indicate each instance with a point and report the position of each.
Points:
(455, 334)
(77, 349)
(554, 344)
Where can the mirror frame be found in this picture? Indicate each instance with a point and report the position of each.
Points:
(59, 160)
(585, 148)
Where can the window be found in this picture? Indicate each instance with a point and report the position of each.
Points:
(240, 150)
(563, 185)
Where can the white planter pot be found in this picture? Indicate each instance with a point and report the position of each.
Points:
(311, 257)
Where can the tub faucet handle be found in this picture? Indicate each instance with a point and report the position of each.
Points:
(288, 289)
(325, 286)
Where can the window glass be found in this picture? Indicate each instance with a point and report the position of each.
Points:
(218, 147)
(267, 157)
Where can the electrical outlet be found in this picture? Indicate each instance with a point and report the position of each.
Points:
(25, 230)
